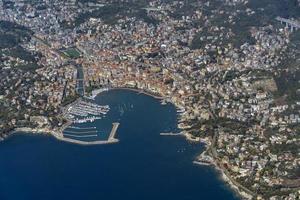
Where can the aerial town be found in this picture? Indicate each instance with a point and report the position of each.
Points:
(231, 67)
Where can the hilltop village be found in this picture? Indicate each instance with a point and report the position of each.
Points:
(228, 65)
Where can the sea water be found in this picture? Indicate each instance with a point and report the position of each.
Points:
(142, 166)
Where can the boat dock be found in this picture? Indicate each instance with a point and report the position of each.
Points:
(80, 132)
(80, 136)
(79, 128)
(82, 111)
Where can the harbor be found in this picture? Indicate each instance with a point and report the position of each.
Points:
(154, 159)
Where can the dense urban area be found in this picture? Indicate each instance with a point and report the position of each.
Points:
(231, 66)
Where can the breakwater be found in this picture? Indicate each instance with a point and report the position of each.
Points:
(66, 137)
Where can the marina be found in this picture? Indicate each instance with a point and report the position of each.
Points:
(85, 120)
(83, 116)
(83, 111)
(85, 108)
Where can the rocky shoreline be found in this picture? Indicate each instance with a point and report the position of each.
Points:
(27, 130)
(205, 160)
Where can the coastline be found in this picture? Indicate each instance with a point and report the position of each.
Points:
(58, 134)
(224, 177)
(207, 142)
(140, 91)
(27, 130)
(91, 160)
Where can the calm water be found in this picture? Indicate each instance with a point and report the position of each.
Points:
(143, 165)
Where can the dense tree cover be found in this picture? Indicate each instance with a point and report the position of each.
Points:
(288, 80)
(265, 13)
(288, 84)
(273, 8)
(69, 99)
(116, 10)
(12, 34)
(11, 37)
(295, 40)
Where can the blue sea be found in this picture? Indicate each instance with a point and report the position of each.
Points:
(142, 166)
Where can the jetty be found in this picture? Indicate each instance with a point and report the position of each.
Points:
(111, 139)
(113, 132)
(201, 163)
(170, 134)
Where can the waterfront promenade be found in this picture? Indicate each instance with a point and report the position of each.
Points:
(138, 90)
